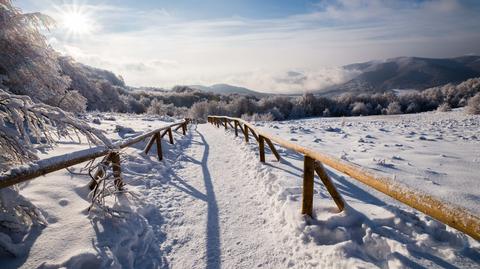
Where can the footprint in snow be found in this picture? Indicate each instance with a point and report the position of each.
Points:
(383, 163)
(361, 140)
(63, 202)
(333, 130)
(431, 181)
(433, 172)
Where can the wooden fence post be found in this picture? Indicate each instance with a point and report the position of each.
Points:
(261, 147)
(254, 134)
(245, 129)
(236, 128)
(170, 135)
(117, 171)
(308, 174)
(225, 122)
(184, 128)
(272, 147)
(159, 146)
(150, 143)
(322, 173)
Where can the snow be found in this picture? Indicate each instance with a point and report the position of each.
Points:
(211, 203)
(436, 152)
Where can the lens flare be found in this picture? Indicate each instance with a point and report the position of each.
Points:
(76, 20)
(76, 23)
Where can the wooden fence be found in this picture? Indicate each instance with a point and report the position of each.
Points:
(453, 216)
(35, 169)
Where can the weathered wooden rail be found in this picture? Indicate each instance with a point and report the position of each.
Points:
(41, 167)
(452, 215)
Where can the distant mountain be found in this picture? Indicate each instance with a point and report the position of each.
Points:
(407, 73)
(226, 89)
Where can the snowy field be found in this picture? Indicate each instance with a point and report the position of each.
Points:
(211, 204)
(437, 152)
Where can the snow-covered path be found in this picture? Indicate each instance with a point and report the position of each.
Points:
(224, 209)
(219, 209)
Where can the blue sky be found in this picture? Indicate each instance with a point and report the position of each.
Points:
(204, 9)
(256, 43)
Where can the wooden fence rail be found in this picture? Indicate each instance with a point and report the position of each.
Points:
(41, 167)
(452, 215)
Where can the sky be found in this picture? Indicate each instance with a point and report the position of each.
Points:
(267, 45)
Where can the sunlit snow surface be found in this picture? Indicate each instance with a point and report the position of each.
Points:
(437, 152)
(211, 204)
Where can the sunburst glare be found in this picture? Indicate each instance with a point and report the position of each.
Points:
(76, 20)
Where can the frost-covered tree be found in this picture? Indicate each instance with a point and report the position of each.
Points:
(307, 101)
(102, 89)
(473, 106)
(28, 65)
(24, 124)
(199, 111)
(444, 107)
(393, 108)
(133, 105)
(157, 107)
(359, 108)
(259, 117)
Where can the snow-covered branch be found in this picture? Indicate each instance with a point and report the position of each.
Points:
(24, 123)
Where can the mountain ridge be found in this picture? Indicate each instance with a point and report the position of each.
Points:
(223, 88)
(398, 73)
(407, 73)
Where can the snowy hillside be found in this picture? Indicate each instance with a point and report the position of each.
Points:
(210, 203)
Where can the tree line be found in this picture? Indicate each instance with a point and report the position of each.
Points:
(350, 104)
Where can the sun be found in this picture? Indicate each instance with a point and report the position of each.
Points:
(76, 23)
(76, 20)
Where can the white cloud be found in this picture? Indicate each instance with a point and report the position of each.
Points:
(291, 81)
(155, 48)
